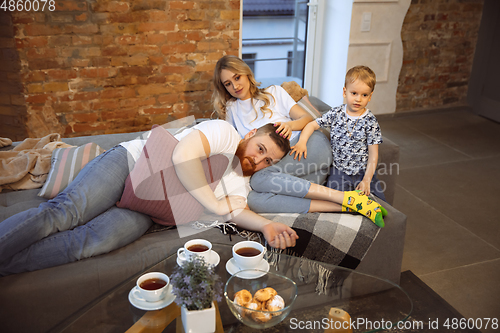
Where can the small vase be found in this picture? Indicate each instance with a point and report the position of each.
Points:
(198, 321)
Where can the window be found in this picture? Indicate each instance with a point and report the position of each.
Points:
(294, 67)
(249, 59)
(274, 39)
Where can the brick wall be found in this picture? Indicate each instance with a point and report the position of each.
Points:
(439, 39)
(12, 106)
(95, 67)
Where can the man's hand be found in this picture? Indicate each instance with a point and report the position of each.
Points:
(279, 235)
(230, 203)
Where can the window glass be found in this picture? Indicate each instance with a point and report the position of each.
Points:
(274, 38)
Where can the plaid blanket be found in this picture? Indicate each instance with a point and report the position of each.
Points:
(333, 238)
(338, 239)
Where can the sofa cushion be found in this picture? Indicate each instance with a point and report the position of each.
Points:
(66, 163)
(153, 187)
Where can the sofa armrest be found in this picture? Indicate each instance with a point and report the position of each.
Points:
(385, 256)
(388, 167)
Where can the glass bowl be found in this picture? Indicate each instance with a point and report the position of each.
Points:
(260, 319)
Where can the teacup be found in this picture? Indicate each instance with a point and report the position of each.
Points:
(152, 287)
(195, 247)
(248, 254)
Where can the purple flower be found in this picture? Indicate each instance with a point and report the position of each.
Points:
(195, 284)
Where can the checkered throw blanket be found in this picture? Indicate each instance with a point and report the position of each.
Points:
(333, 238)
(338, 239)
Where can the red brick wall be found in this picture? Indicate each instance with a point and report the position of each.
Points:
(12, 105)
(95, 67)
(439, 39)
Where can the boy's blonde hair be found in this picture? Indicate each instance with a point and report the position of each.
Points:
(363, 73)
(221, 96)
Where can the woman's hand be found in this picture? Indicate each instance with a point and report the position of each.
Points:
(300, 149)
(230, 203)
(284, 129)
(279, 235)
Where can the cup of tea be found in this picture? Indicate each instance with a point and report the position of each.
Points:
(248, 254)
(195, 247)
(152, 287)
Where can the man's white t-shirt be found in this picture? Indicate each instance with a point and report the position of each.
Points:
(223, 139)
(242, 114)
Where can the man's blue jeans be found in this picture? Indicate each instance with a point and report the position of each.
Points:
(339, 180)
(281, 188)
(80, 222)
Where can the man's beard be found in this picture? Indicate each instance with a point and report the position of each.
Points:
(247, 164)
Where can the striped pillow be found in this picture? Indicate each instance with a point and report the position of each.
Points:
(65, 165)
(307, 106)
(305, 103)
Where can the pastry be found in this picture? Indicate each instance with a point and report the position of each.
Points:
(271, 291)
(263, 301)
(262, 295)
(252, 305)
(275, 303)
(261, 317)
(242, 297)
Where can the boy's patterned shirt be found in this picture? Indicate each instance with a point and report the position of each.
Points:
(350, 153)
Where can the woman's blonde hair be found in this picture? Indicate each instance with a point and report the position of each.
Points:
(221, 96)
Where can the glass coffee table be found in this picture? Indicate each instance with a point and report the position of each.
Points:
(324, 293)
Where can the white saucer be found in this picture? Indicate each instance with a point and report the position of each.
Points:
(232, 269)
(149, 306)
(214, 259)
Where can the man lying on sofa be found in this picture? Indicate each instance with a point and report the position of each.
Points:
(84, 220)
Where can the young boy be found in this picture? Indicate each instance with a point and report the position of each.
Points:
(354, 136)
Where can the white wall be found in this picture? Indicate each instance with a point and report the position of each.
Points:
(326, 65)
(336, 43)
(380, 48)
(339, 44)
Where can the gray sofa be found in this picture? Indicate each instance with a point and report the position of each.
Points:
(37, 301)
